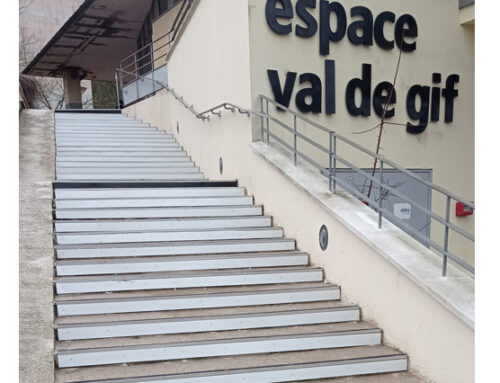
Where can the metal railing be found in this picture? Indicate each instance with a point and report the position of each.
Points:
(146, 59)
(333, 157)
(332, 153)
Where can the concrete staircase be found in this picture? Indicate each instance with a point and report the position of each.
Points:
(164, 276)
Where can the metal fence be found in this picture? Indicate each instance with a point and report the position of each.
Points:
(336, 161)
(143, 72)
(140, 67)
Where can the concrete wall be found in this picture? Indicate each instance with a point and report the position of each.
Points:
(443, 46)
(211, 64)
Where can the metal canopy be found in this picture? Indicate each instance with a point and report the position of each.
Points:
(94, 39)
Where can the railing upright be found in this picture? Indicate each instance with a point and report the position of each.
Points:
(446, 234)
(380, 198)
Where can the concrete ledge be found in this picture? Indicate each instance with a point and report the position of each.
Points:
(423, 267)
(36, 263)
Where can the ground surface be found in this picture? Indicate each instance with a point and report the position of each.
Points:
(36, 172)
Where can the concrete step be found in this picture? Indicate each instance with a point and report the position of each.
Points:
(131, 177)
(162, 326)
(154, 372)
(181, 162)
(104, 168)
(168, 236)
(179, 280)
(167, 212)
(183, 263)
(113, 144)
(173, 248)
(92, 203)
(149, 192)
(83, 226)
(215, 348)
(220, 297)
(114, 150)
(124, 157)
(290, 372)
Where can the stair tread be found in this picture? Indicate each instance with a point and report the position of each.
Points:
(243, 361)
(231, 335)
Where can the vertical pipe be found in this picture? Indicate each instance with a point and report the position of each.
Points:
(262, 118)
(330, 162)
(334, 163)
(117, 91)
(152, 65)
(381, 191)
(136, 72)
(446, 233)
(295, 139)
(267, 116)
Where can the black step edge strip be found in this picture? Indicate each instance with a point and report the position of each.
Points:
(90, 111)
(144, 184)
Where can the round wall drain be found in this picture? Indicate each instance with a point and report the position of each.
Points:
(221, 165)
(323, 237)
(177, 127)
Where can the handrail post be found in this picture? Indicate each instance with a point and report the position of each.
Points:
(295, 140)
(330, 162)
(267, 118)
(136, 72)
(446, 233)
(381, 191)
(334, 163)
(152, 66)
(262, 118)
(117, 91)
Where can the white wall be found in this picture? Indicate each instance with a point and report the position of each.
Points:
(211, 64)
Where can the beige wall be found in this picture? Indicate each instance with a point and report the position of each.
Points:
(440, 345)
(443, 45)
(161, 27)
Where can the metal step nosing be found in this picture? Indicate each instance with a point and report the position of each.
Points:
(152, 202)
(207, 324)
(133, 283)
(150, 192)
(132, 177)
(198, 301)
(204, 247)
(155, 224)
(226, 347)
(283, 373)
(180, 264)
(169, 236)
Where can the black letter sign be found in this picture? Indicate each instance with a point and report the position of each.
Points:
(272, 13)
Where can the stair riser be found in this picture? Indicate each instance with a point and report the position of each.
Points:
(147, 170)
(205, 248)
(149, 202)
(296, 373)
(209, 349)
(114, 330)
(181, 265)
(187, 282)
(142, 157)
(184, 162)
(158, 213)
(206, 301)
(81, 239)
(148, 193)
(129, 176)
(142, 225)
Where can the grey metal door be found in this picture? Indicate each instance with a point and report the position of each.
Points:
(416, 191)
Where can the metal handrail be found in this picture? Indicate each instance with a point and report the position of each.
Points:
(333, 179)
(331, 151)
(179, 18)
